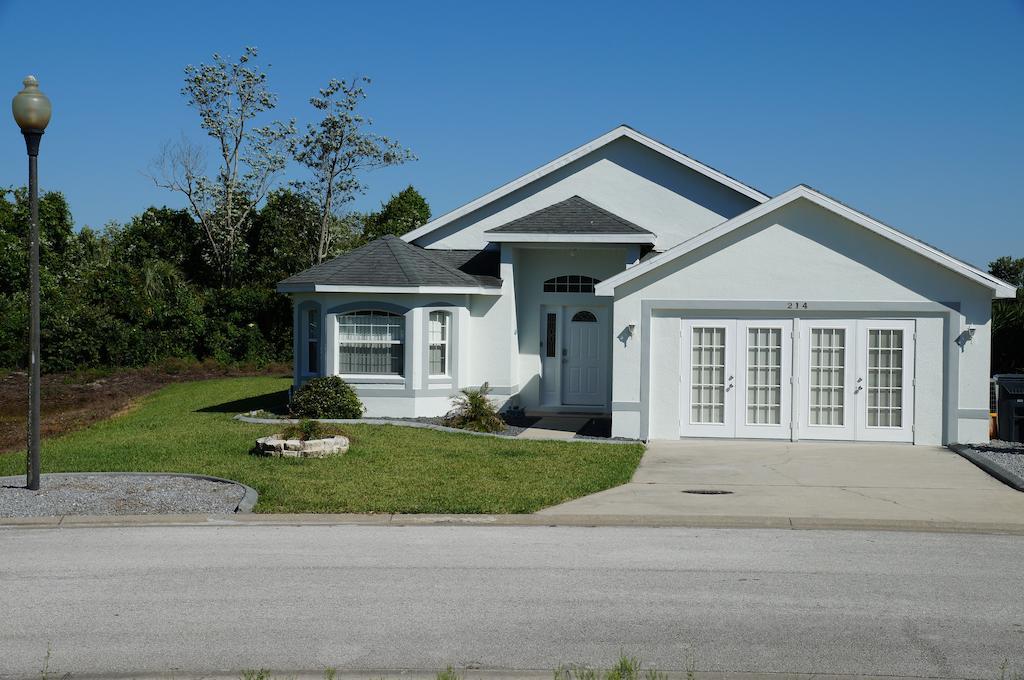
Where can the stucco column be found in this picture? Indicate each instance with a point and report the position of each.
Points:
(329, 351)
(508, 295)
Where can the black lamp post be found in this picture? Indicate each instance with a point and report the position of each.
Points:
(31, 110)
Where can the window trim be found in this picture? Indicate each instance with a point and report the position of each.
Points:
(446, 343)
(404, 343)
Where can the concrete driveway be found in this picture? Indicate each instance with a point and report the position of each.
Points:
(807, 483)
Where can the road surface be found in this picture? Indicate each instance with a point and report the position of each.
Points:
(189, 600)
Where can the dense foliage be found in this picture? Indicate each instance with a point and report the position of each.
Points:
(473, 410)
(329, 397)
(133, 294)
(1008, 318)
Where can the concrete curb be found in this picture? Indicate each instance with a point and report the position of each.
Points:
(1005, 476)
(425, 426)
(478, 674)
(245, 505)
(593, 521)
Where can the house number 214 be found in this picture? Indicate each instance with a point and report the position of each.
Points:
(796, 305)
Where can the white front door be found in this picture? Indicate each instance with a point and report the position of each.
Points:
(826, 372)
(884, 386)
(708, 378)
(584, 368)
(763, 389)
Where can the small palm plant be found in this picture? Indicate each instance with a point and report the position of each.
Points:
(472, 410)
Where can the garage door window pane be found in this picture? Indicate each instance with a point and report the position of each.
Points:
(764, 376)
(885, 377)
(707, 376)
(828, 376)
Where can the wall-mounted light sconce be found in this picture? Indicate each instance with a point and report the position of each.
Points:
(628, 332)
(965, 336)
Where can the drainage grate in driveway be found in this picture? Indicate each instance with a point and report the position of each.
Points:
(707, 492)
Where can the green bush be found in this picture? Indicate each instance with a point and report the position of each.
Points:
(329, 397)
(472, 410)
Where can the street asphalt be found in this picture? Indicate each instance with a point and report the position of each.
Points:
(218, 599)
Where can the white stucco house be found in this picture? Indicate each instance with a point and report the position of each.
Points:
(626, 278)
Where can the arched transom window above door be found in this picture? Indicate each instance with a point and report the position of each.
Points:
(584, 317)
(571, 283)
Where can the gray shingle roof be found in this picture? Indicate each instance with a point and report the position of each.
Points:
(574, 215)
(390, 261)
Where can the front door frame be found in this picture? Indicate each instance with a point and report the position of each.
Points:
(552, 373)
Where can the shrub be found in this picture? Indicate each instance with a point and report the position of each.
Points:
(310, 429)
(329, 397)
(472, 410)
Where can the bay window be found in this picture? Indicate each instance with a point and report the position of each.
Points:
(371, 342)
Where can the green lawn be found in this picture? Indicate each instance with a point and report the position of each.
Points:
(188, 427)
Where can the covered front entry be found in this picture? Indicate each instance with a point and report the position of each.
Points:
(848, 379)
(576, 354)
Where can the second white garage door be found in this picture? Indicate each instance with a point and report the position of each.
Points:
(816, 379)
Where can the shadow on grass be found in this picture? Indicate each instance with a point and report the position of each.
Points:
(275, 402)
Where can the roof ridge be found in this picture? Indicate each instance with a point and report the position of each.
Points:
(398, 256)
(409, 249)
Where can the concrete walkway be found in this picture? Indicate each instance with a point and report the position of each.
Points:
(770, 481)
(555, 427)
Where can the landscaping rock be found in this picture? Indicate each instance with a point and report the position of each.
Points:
(113, 494)
(296, 448)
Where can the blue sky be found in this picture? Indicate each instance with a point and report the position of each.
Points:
(909, 111)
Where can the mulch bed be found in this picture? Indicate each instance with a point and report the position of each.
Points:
(72, 401)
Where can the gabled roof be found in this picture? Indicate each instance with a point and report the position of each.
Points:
(623, 131)
(391, 264)
(574, 215)
(999, 287)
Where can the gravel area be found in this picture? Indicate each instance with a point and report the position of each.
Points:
(1007, 455)
(101, 494)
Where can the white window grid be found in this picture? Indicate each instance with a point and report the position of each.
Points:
(764, 376)
(885, 377)
(707, 382)
(828, 377)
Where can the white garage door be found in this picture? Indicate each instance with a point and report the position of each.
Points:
(816, 379)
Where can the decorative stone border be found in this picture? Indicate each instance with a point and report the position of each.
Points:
(246, 418)
(297, 448)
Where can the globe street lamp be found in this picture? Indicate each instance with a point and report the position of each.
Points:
(32, 113)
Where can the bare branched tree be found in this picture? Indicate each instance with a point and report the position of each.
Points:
(335, 150)
(228, 96)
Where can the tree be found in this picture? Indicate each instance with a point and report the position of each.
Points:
(1008, 318)
(165, 234)
(403, 212)
(228, 97)
(335, 150)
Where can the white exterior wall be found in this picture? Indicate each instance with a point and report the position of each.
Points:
(802, 253)
(624, 177)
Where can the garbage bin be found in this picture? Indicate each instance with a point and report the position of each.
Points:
(1010, 406)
